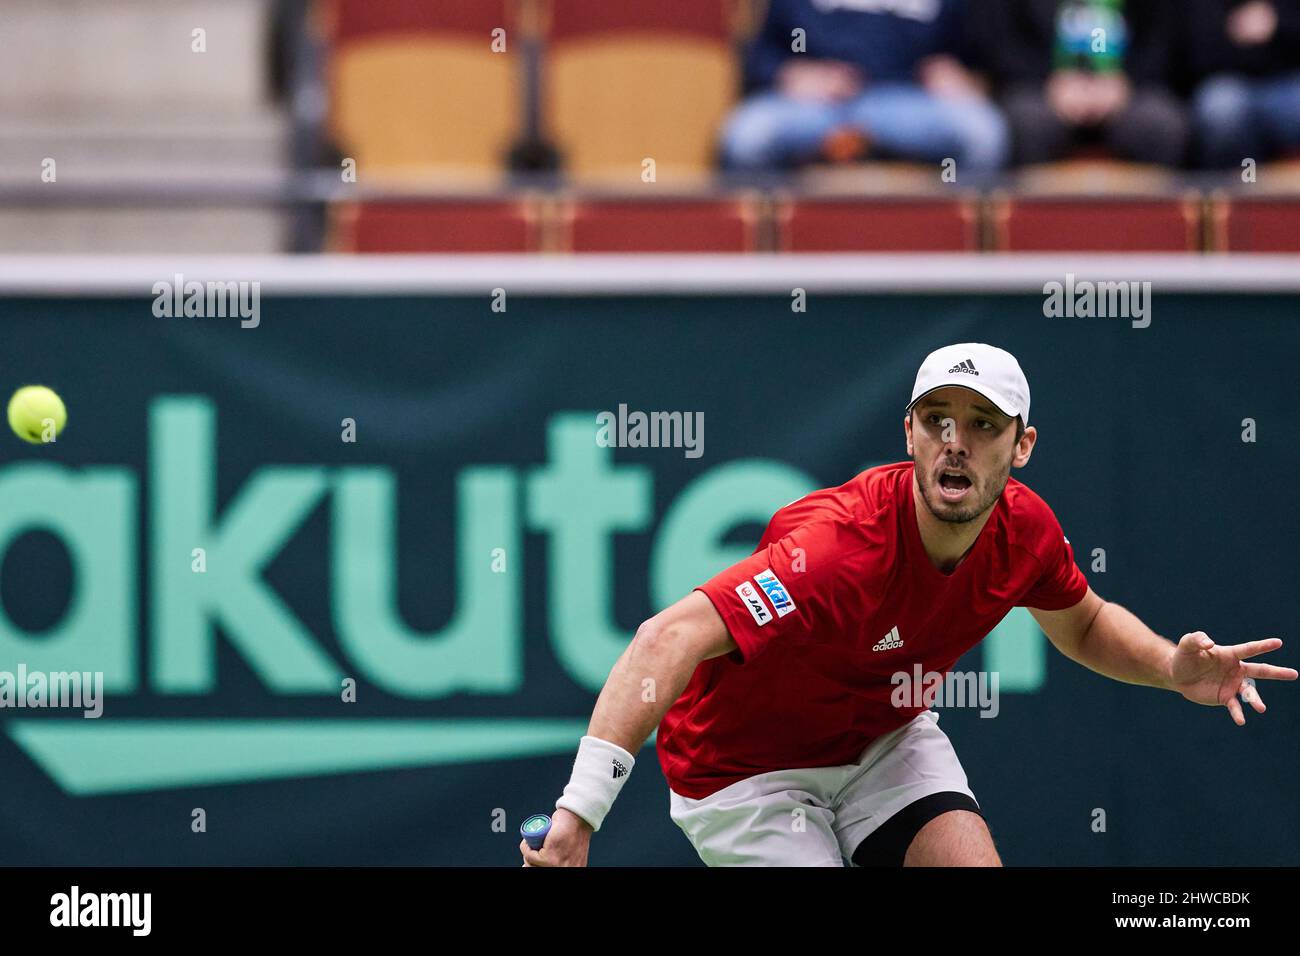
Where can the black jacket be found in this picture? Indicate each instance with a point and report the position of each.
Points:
(1018, 39)
(1207, 49)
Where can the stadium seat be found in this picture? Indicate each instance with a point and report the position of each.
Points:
(1095, 176)
(1263, 224)
(674, 225)
(878, 225)
(624, 82)
(1096, 224)
(416, 84)
(436, 226)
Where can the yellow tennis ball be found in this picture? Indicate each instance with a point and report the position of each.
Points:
(36, 414)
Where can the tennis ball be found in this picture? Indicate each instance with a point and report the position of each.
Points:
(36, 414)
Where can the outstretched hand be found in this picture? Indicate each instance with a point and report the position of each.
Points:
(1216, 674)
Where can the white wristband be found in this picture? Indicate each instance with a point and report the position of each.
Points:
(599, 772)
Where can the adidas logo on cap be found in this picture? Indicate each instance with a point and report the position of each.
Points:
(999, 377)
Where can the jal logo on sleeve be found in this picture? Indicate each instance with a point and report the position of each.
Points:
(775, 592)
(749, 596)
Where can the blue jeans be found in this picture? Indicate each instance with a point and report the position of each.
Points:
(1239, 117)
(769, 130)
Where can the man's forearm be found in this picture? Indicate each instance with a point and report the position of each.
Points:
(648, 677)
(1118, 645)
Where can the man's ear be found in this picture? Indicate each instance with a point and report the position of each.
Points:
(907, 430)
(1025, 447)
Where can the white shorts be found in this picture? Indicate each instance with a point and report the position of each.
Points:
(755, 821)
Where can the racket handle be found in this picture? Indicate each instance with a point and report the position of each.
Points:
(534, 830)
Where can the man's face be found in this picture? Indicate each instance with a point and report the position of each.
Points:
(963, 449)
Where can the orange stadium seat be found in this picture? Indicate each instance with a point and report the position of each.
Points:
(416, 84)
(878, 225)
(510, 225)
(676, 225)
(1096, 224)
(1265, 224)
(625, 82)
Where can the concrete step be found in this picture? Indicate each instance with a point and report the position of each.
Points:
(128, 142)
(71, 54)
(135, 230)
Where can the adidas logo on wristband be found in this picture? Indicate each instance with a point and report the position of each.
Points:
(599, 772)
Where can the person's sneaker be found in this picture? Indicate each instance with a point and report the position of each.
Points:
(845, 144)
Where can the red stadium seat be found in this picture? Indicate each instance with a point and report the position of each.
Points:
(436, 226)
(878, 225)
(668, 225)
(625, 82)
(416, 84)
(1264, 224)
(588, 19)
(354, 19)
(1096, 224)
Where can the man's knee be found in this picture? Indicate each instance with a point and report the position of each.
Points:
(953, 838)
(749, 139)
(768, 131)
(1038, 135)
(1222, 102)
(1152, 129)
(892, 842)
(983, 134)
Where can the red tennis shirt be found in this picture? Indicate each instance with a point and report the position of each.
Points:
(838, 596)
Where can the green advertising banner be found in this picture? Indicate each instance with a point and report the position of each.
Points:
(344, 583)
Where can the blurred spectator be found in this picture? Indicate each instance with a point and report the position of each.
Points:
(1072, 71)
(1245, 59)
(875, 76)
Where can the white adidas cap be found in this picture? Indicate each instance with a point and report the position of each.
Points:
(991, 371)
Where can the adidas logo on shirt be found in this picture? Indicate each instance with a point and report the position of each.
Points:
(619, 770)
(966, 366)
(889, 641)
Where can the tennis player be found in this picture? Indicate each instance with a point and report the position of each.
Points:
(772, 684)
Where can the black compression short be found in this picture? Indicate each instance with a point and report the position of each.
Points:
(887, 844)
